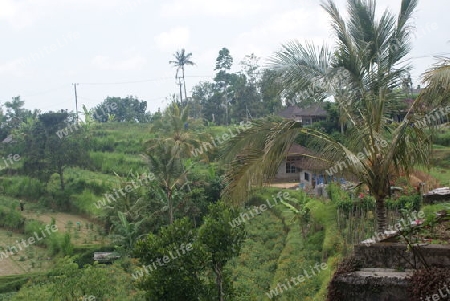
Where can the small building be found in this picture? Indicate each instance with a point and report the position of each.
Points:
(304, 166)
(106, 257)
(307, 116)
(438, 195)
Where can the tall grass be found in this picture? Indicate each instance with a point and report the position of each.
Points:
(22, 187)
(119, 163)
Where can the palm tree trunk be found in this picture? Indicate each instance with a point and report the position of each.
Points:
(381, 214)
(170, 205)
(184, 85)
(181, 93)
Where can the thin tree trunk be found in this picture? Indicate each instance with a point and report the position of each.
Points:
(170, 205)
(61, 178)
(184, 85)
(381, 214)
(219, 282)
(181, 92)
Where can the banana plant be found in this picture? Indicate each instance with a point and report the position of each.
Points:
(126, 232)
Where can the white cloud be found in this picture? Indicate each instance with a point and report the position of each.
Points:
(206, 57)
(107, 63)
(213, 8)
(17, 14)
(8, 9)
(284, 27)
(173, 39)
(20, 14)
(13, 67)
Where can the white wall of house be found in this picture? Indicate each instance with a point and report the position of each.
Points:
(303, 176)
(306, 177)
(282, 174)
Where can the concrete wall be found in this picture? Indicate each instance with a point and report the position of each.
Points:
(281, 173)
(355, 288)
(394, 255)
(299, 177)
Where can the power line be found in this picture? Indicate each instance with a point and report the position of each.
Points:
(47, 91)
(126, 82)
(143, 81)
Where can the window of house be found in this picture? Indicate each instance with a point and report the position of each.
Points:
(290, 168)
(306, 176)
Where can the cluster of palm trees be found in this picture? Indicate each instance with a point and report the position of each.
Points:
(371, 52)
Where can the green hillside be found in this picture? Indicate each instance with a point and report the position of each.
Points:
(292, 239)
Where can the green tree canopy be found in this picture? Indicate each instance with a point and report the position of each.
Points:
(119, 109)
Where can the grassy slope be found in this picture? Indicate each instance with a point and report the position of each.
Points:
(274, 250)
(441, 165)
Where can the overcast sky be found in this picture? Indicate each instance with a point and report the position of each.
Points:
(120, 48)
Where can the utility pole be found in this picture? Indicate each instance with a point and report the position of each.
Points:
(76, 99)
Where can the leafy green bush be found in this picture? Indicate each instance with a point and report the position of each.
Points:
(22, 187)
(33, 226)
(7, 296)
(84, 202)
(409, 202)
(442, 139)
(12, 283)
(11, 218)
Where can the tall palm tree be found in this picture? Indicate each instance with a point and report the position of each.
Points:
(176, 126)
(167, 152)
(170, 174)
(362, 73)
(182, 59)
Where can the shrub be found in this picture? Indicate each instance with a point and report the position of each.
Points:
(22, 187)
(409, 202)
(348, 265)
(11, 218)
(426, 283)
(32, 227)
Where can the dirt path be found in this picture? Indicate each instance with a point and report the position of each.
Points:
(284, 185)
(9, 267)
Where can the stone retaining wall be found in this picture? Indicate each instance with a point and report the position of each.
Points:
(396, 256)
(356, 288)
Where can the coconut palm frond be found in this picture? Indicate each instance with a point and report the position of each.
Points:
(301, 67)
(255, 155)
(410, 146)
(437, 79)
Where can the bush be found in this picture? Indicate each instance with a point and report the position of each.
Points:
(84, 202)
(442, 139)
(409, 202)
(32, 227)
(426, 283)
(11, 218)
(22, 187)
(12, 283)
(348, 265)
